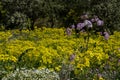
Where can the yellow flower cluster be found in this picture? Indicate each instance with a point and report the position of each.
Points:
(51, 47)
(6, 57)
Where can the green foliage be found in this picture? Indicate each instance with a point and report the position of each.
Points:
(109, 11)
(2, 14)
(18, 21)
(56, 13)
(54, 10)
(23, 10)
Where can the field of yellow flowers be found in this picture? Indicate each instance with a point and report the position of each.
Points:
(71, 57)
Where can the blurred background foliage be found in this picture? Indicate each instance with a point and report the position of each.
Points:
(56, 13)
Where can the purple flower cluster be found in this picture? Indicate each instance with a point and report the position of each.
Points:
(68, 31)
(106, 35)
(80, 26)
(72, 57)
(73, 26)
(88, 23)
(97, 20)
(92, 20)
(100, 23)
(85, 22)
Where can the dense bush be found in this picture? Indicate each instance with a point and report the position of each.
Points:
(109, 11)
(32, 74)
(57, 12)
(18, 21)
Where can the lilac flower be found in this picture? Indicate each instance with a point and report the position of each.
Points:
(92, 20)
(96, 19)
(106, 35)
(88, 23)
(100, 23)
(72, 57)
(73, 26)
(68, 31)
(80, 26)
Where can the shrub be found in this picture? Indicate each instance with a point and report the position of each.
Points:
(32, 74)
